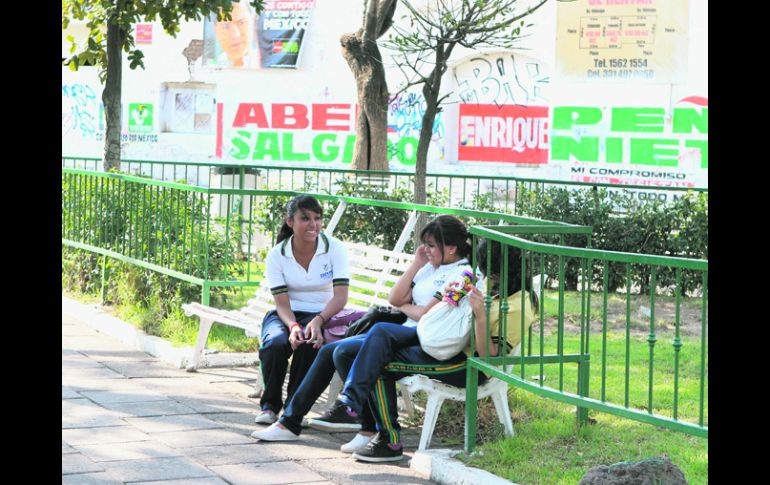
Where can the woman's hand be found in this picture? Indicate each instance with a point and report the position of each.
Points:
(421, 256)
(476, 300)
(451, 286)
(313, 332)
(295, 337)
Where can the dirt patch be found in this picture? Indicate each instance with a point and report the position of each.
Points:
(638, 318)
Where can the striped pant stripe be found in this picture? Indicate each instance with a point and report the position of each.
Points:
(382, 409)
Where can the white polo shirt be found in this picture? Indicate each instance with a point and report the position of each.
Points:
(430, 279)
(311, 290)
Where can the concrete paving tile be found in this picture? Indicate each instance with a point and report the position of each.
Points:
(80, 377)
(90, 421)
(82, 413)
(241, 388)
(266, 473)
(240, 422)
(109, 434)
(182, 385)
(79, 362)
(152, 408)
(160, 424)
(101, 478)
(74, 329)
(144, 369)
(187, 481)
(206, 437)
(127, 355)
(135, 395)
(224, 374)
(77, 463)
(155, 469)
(230, 454)
(218, 404)
(309, 446)
(69, 393)
(91, 343)
(127, 451)
(65, 448)
(354, 472)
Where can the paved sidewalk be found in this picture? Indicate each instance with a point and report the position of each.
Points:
(127, 417)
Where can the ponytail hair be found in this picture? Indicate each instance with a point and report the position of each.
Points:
(299, 202)
(448, 231)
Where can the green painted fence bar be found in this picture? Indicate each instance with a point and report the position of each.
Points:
(294, 177)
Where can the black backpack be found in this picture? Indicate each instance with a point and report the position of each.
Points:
(374, 315)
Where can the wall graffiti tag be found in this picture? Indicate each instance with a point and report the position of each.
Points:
(405, 114)
(80, 109)
(502, 79)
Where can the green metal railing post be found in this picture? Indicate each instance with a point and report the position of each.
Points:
(471, 394)
(103, 292)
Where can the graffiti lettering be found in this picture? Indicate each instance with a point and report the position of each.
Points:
(509, 79)
(79, 109)
(405, 114)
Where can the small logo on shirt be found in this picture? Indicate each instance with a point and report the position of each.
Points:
(326, 275)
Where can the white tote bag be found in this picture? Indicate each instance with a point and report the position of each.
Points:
(445, 330)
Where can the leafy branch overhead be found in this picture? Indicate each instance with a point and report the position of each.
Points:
(123, 15)
(426, 37)
(423, 44)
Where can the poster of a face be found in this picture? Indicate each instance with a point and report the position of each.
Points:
(231, 43)
(273, 39)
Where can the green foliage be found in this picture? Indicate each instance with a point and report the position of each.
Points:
(623, 223)
(162, 226)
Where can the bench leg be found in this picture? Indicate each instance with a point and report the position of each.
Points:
(503, 412)
(408, 404)
(432, 409)
(335, 386)
(259, 386)
(200, 344)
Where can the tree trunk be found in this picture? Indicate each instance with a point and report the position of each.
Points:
(111, 96)
(420, 169)
(362, 54)
(364, 59)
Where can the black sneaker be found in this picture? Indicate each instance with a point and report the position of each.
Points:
(379, 450)
(337, 418)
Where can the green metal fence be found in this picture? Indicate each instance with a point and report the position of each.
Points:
(178, 230)
(498, 193)
(579, 359)
(204, 236)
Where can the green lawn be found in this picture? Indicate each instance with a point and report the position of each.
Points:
(549, 448)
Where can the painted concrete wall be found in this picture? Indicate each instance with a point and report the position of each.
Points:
(510, 112)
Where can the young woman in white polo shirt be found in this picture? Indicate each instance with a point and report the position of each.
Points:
(308, 276)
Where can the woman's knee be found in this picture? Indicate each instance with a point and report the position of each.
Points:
(274, 344)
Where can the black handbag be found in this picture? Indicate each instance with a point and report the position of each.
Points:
(374, 315)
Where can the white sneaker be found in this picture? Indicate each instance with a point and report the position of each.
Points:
(266, 417)
(274, 433)
(357, 444)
